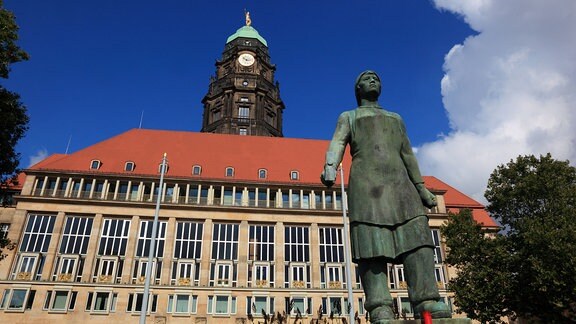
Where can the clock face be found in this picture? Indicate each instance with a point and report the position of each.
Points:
(246, 59)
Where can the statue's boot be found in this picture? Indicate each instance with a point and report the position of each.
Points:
(422, 288)
(374, 276)
(436, 309)
(381, 315)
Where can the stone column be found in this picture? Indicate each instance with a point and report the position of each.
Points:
(168, 250)
(130, 249)
(314, 256)
(92, 250)
(53, 247)
(279, 258)
(206, 247)
(243, 253)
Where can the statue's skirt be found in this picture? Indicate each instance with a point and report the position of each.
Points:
(371, 240)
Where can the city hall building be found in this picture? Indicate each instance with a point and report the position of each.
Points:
(246, 229)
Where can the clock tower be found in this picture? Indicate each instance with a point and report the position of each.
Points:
(243, 98)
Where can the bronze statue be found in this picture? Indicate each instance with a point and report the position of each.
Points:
(386, 198)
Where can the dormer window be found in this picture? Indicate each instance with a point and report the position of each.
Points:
(196, 170)
(129, 166)
(262, 174)
(294, 175)
(95, 164)
(229, 171)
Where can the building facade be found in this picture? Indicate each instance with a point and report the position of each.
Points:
(246, 229)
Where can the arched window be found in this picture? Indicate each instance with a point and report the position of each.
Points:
(294, 175)
(95, 164)
(129, 166)
(262, 174)
(196, 170)
(229, 171)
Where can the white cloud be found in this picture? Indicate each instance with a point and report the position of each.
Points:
(39, 156)
(509, 90)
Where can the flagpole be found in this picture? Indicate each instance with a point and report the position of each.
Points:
(347, 247)
(152, 245)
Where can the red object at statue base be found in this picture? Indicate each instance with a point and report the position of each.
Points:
(426, 317)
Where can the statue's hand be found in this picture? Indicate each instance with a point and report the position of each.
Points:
(428, 198)
(328, 176)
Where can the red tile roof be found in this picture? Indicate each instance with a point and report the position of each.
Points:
(215, 152)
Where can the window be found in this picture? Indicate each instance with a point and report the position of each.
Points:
(143, 250)
(114, 237)
(4, 227)
(400, 279)
(60, 300)
(216, 114)
(74, 243)
(334, 305)
(297, 257)
(39, 186)
(243, 99)
(270, 117)
(187, 249)
(228, 196)
(37, 233)
(26, 269)
(243, 131)
(361, 310)
(440, 276)
(257, 305)
(196, 170)
(95, 164)
(135, 301)
(101, 302)
(298, 304)
(182, 304)
(36, 239)
(294, 175)
(111, 250)
(331, 257)
(129, 166)
(243, 112)
(405, 307)
(437, 248)
(66, 268)
(229, 171)
(261, 256)
(224, 252)
(18, 299)
(221, 305)
(262, 174)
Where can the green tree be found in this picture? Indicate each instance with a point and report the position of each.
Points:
(13, 117)
(528, 270)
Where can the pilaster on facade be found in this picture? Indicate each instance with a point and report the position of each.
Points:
(92, 250)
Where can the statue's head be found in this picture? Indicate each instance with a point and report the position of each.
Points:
(367, 85)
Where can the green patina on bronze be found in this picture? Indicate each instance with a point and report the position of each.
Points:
(386, 200)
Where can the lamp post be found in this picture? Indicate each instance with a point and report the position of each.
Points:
(348, 256)
(152, 245)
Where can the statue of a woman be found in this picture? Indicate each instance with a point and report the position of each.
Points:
(386, 199)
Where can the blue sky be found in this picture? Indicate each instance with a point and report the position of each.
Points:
(95, 66)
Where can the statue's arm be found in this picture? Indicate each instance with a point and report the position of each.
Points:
(411, 164)
(336, 150)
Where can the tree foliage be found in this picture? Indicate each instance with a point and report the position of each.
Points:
(10, 52)
(528, 270)
(13, 117)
